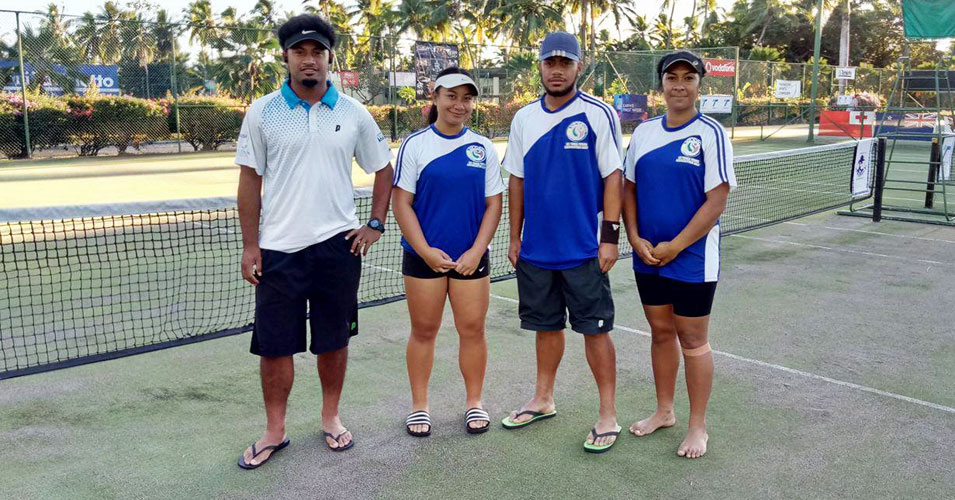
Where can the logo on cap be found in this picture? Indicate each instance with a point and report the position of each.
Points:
(577, 131)
(305, 32)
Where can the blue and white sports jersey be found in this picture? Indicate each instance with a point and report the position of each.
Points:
(673, 169)
(450, 177)
(563, 157)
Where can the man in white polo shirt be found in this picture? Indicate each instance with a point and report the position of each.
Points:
(304, 255)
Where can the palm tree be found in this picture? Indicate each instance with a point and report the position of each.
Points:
(111, 45)
(88, 36)
(524, 22)
(138, 43)
(202, 23)
(164, 33)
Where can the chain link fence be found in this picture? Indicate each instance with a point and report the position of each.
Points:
(93, 86)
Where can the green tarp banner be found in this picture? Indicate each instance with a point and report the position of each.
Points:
(929, 18)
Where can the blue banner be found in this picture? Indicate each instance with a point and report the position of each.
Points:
(631, 108)
(106, 78)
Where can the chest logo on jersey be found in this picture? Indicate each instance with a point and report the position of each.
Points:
(576, 133)
(691, 150)
(477, 155)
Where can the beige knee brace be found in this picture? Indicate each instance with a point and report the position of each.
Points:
(699, 351)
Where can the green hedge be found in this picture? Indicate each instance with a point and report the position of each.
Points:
(47, 117)
(98, 121)
(208, 122)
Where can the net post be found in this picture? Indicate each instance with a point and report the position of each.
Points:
(933, 163)
(879, 181)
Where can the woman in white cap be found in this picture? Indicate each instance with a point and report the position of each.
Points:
(448, 205)
(679, 171)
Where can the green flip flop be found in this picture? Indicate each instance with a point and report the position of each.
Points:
(592, 448)
(535, 416)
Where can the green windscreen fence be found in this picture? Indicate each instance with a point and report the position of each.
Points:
(929, 19)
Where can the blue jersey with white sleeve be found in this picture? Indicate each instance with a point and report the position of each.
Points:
(563, 157)
(450, 177)
(673, 169)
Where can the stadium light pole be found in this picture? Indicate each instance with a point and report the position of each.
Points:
(815, 73)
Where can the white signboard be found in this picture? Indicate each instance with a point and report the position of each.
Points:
(845, 73)
(862, 167)
(402, 78)
(716, 104)
(788, 89)
(843, 100)
(948, 143)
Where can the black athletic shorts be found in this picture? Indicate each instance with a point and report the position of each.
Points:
(691, 300)
(547, 295)
(414, 266)
(318, 283)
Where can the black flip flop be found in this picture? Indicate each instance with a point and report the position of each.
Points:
(335, 438)
(275, 447)
(476, 415)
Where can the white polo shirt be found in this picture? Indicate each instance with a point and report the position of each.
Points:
(304, 154)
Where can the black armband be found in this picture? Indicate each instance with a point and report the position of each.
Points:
(610, 232)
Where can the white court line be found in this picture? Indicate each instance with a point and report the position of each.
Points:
(905, 236)
(844, 250)
(850, 385)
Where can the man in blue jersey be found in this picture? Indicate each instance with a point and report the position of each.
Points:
(565, 191)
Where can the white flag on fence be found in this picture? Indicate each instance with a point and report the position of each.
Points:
(861, 168)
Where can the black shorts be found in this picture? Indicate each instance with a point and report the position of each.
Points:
(691, 300)
(414, 266)
(547, 295)
(318, 283)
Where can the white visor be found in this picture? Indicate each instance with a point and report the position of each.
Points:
(452, 80)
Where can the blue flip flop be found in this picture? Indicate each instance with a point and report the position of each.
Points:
(335, 438)
(275, 447)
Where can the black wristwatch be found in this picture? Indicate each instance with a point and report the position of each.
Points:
(377, 225)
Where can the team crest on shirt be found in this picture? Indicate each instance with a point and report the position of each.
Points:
(576, 133)
(478, 156)
(691, 150)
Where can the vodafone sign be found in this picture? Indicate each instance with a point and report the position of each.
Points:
(720, 67)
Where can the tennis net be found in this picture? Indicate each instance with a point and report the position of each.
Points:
(84, 284)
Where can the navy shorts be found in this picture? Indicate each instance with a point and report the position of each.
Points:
(547, 295)
(414, 266)
(692, 300)
(318, 284)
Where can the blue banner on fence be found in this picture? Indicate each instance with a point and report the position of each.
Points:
(631, 108)
(106, 78)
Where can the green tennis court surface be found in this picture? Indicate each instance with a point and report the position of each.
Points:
(835, 347)
(861, 304)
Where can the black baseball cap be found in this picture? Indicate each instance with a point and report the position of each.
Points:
(307, 34)
(681, 56)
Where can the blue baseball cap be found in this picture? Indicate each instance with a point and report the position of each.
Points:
(560, 44)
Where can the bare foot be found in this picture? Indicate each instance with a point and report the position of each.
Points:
(659, 419)
(604, 425)
(538, 405)
(268, 439)
(694, 446)
(333, 426)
